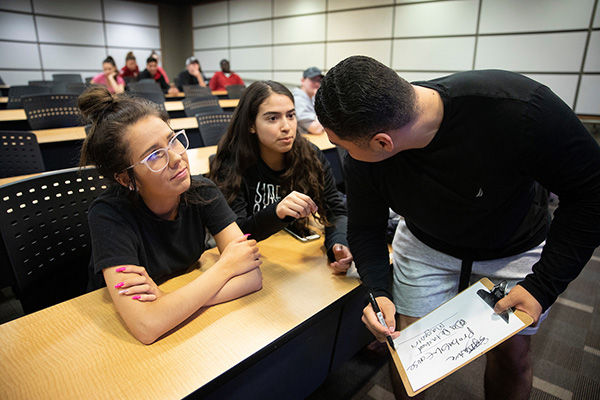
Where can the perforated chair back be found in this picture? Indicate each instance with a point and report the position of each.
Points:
(19, 154)
(15, 93)
(48, 84)
(72, 78)
(212, 127)
(235, 91)
(146, 85)
(157, 98)
(196, 91)
(201, 105)
(43, 221)
(52, 111)
(75, 88)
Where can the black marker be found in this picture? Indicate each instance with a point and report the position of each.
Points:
(380, 317)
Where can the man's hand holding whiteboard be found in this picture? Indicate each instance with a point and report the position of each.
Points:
(450, 337)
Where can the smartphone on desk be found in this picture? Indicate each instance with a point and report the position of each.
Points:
(305, 235)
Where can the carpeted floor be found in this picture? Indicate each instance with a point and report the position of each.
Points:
(565, 354)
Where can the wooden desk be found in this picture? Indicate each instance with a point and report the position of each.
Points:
(18, 114)
(178, 105)
(82, 349)
(3, 99)
(182, 94)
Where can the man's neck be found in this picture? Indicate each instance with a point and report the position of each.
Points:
(430, 112)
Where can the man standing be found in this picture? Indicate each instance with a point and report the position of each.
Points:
(192, 74)
(224, 77)
(304, 97)
(462, 158)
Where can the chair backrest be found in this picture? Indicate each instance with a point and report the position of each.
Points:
(156, 98)
(201, 105)
(72, 78)
(212, 127)
(234, 91)
(41, 83)
(16, 92)
(52, 111)
(145, 85)
(19, 154)
(43, 221)
(75, 87)
(196, 91)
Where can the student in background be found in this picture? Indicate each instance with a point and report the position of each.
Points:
(150, 224)
(151, 72)
(464, 159)
(192, 74)
(273, 177)
(160, 69)
(110, 77)
(224, 77)
(304, 97)
(131, 70)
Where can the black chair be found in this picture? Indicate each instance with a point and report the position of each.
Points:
(156, 98)
(235, 91)
(46, 240)
(47, 84)
(72, 78)
(201, 105)
(212, 127)
(15, 93)
(146, 85)
(2, 81)
(196, 91)
(75, 88)
(52, 111)
(19, 154)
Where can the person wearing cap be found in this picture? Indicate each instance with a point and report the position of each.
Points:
(304, 97)
(192, 74)
(225, 77)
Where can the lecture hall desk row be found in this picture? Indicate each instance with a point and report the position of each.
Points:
(280, 342)
(17, 119)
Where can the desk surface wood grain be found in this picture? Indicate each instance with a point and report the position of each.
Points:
(82, 349)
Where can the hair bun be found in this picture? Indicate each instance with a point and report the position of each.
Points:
(95, 102)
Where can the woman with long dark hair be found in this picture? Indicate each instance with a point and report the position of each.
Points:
(272, 177)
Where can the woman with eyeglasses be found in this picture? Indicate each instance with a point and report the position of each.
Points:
(273, 178)
(150, 224)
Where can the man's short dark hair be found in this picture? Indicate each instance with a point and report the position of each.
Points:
(360, 97)
(151, 59)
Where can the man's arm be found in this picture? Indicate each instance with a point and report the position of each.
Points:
(562, 156)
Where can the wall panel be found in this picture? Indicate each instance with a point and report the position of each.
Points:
(499, 16)
(209, 14)
(443, 54)
(247, 10)
(346, 4)
(554, 52)
(130, 13)
(588, 101)
(28, 57)
(446, 18)
(251, 33)
(17, 27)
(283, 8)
(372, 23)
(211, 38)
(119, 35)
(299, 56)
(60, 30)
(378, 49)
(89, 9)
(293, 30)
(592, 59)
(255, 58)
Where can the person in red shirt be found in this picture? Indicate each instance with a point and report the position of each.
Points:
(130, 70)
(224, 77)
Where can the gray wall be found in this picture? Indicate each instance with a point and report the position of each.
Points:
(556, 42)
(41, 37)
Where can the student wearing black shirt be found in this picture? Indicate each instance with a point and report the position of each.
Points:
(462, 158)
(152, 72)
(150, 224)
(192, 74)
(272, 177)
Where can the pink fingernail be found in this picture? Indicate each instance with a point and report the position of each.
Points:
(136, 297)
(246, 235)
(124, 291)
(118, 285)
(120, 269)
